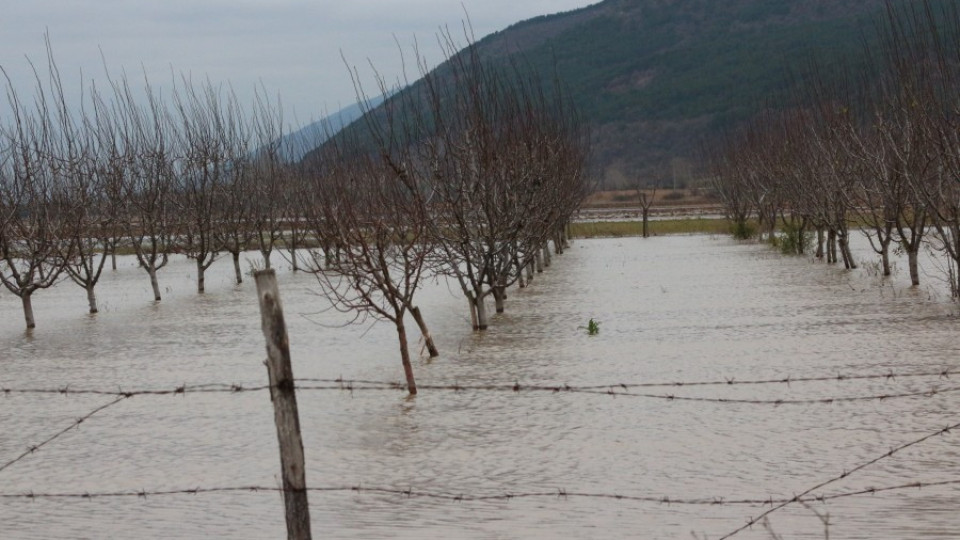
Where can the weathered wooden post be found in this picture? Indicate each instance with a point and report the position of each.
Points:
(284, 398)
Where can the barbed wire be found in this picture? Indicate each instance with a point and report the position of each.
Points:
(889, 375)
(208, 388)
(360, 384)
(845, 474)
(613, 391)
(505, 496)
(777, 402)
(76, 424)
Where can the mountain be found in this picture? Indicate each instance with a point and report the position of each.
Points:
(297, 144)
(654, 78)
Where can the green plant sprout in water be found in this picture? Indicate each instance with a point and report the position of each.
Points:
(592, 327)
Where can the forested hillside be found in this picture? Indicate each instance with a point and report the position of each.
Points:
(655, 77)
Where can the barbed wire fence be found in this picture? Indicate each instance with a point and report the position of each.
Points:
(507, 496)
(76, 424)
(610, 390)
(340, 383)
(813, 494)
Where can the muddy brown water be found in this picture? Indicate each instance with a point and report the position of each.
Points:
(678, 308)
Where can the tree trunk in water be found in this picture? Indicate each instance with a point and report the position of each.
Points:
(885, 258)
(92, 299)
(266, 259)
(539, 261)
(820, 242)
(498, 297)
(473, 312)
(546, 254)
(846, 249)
(557, 245)
(885, 248)
(425, 332)
(646, 223)
(327, 248)
(912, 255)
(113, 256)
(801, 238)
(565, 236)
(481, 313)
(200, 277)
(954, 279)
(154, 284)
(293, 251)
(831, 246)
(529, 272)
(521, 282)
(844, 243)
(236, 267)
(405, 357)
(27, 300)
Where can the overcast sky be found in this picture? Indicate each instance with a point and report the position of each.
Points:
(292, 46)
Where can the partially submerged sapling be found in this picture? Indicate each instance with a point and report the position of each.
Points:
(593, 327)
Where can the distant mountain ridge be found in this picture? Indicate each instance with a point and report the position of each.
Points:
(296, 144)
(653, 78)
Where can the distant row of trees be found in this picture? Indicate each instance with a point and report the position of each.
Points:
(119, 172)
(469, 174)
(877, 149)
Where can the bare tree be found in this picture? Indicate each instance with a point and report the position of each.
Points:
(267, 178)
(33, 241)
(141, 163)
(727, 170)
(645, 198)
(377, 216)
(201, 168)
(505, 162)
(291, 183)
(235, 226)
(89, 214)
(916, 122)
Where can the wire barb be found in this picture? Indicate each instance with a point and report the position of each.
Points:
(76, 424)
(846, 473)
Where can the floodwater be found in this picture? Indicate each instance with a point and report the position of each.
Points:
(682, 308)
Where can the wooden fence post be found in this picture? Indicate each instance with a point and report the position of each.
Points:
(284, 397)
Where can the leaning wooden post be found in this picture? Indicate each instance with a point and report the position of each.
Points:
(284, 398)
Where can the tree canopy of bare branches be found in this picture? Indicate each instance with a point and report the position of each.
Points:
(875, 146)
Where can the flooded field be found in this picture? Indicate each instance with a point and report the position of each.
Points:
(684, 308)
